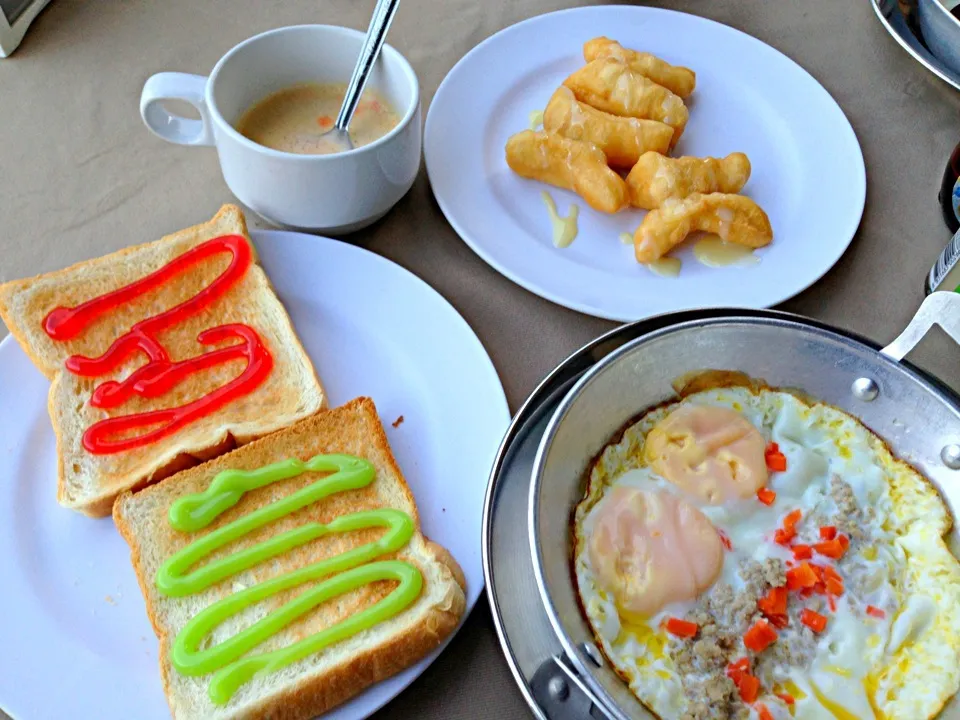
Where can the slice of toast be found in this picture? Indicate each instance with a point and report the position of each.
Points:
(89, 482)
(326, 678)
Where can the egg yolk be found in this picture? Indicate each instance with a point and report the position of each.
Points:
(713, 453)
(652, 548)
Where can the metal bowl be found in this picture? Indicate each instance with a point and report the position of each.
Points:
(917, 417)
(941, 32)
(900, 22)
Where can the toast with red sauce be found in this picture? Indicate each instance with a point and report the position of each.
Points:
(160, 356)
(319, 678)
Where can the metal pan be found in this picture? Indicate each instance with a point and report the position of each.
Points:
(918, 417)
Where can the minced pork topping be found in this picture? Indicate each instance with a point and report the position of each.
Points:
(743, 644)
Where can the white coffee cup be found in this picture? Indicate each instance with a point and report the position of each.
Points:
(335, 193)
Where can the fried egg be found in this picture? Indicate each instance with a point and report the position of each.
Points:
(695, 517)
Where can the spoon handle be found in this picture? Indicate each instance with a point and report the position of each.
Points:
(376, 34)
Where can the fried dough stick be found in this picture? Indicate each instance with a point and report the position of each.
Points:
(735, 218)
(655, 178)
(679, 80)
(611, 86)
(623, 140)
(569, 164)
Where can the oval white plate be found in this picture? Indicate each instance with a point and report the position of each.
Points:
(808, 171)
(73, 628)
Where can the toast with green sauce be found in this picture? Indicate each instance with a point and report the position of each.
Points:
(288, 575)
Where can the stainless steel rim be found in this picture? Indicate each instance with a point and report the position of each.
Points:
(526, 414)
(931, 63)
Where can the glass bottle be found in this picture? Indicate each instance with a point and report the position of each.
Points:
(950, 191)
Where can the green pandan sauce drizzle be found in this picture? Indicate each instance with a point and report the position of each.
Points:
(337, 575)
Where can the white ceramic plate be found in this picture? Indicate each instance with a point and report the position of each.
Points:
(808, 171)
(74, 634)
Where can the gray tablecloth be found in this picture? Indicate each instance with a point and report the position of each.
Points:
(80, 176)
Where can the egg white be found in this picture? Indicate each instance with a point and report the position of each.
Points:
(903, 666)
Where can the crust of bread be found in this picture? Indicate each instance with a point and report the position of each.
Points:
(354, 428)
(90, 484)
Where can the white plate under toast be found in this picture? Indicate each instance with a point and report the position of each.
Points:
(75, 640)
(808, 170)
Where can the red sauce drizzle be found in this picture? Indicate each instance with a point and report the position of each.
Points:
(161, 375)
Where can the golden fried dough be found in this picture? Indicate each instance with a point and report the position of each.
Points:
(735, 218)
(569, 164)
(611, 86)
(623, 140)
(655, 178)
(676, 79)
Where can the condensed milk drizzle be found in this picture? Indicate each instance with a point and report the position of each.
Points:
(564, 228)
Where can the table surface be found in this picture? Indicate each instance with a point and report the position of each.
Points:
(80, 177)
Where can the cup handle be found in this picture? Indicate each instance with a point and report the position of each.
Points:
(170, 127)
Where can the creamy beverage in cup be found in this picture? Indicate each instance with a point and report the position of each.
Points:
(326, 192)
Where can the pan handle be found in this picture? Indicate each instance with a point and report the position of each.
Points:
(561, 694)
(940, 308)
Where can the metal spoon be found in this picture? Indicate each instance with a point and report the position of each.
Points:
(377, 32)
